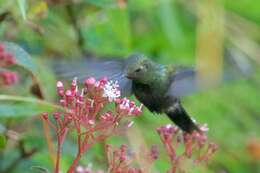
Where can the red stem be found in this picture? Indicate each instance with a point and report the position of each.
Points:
(80, 151)
(74, 163)
(57, 167)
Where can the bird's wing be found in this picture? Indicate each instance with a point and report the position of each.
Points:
(185, 81)
(84, 68)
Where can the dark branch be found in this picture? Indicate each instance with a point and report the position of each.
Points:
(74, 21)
(4, 15)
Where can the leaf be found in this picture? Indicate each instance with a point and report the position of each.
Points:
(103, 3)
(22, 57)
(45, 76)
(2, 141)
(170, 22)
(38, 9)
(40, 169)
(15, 106)
(106, 34)
(23, 6)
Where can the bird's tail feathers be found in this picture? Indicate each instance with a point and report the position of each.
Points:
(181, 118)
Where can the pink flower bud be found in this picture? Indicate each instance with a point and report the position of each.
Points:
(8, 77)
(154, 152)
(74, 85)
(45, 115)
(118, 170)
(131, 104)
(60, 88)
(68, 117)
(79, 104)
(81, 96)
(80, 169)
(122, 158)
(108, 116)
(2, 48)
(87, 170)
(118, 101)
(56, 115)
(9, 58)
(136, 111)
(186, 137)
(100, 171)
(108, 147)
(131, 170)
(123, 148)
(103, 80)
(91, 122)
(89, 105)
(69, 96)
(63, 102)
(90, 82)
(117, 153)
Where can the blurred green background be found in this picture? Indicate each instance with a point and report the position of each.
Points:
(191, 33)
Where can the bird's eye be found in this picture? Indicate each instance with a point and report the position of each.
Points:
(137, 70)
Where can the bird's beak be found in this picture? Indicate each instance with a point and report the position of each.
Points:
(128, 77)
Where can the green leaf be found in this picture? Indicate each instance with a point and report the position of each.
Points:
(23, 6)
(40, 169)
(2, 141)
(15, 106)
(170, 22)
(22, 57)
(106, 35)
(103, 3)
(45, 76)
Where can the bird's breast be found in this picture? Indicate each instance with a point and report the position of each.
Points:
(154, 99)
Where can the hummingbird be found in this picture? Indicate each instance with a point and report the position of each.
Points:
(159, 87)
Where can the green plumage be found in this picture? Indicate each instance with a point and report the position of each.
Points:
(151, 85)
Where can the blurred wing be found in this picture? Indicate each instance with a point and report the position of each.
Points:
(83, 69)
(185, 81)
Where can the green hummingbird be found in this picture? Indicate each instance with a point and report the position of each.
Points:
(159, 87)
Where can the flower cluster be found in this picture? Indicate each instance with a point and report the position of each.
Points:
(81, 169)
(121, 160)
(7, 77)
(84, 111)
(196, 145)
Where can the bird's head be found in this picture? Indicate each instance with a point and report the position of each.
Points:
(137, 67)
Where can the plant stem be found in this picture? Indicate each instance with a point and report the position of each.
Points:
(57, 167)
(49, 141)
(74, 163)
(80, 151)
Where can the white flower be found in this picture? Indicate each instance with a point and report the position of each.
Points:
(111, 90)
(168, 126)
